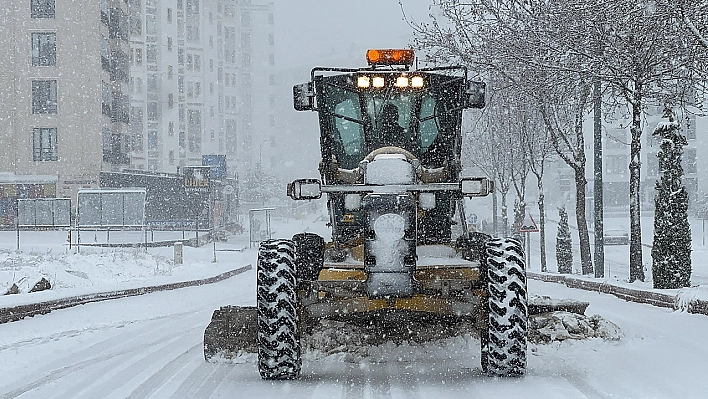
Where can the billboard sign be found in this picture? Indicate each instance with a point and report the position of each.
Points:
(44, 212)
(111, 208)
(196, 179)
(217, 164)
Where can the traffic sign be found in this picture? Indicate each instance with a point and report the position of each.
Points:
(528, 225)
(472, 219)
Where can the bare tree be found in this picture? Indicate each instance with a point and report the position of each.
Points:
(539, 150)
(639, 49)
(488, 149)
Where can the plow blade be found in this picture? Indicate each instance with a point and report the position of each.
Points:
(232, 329)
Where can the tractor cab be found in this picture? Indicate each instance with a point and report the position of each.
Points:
(388, 111)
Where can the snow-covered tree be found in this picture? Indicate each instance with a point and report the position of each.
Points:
(564, 245)
(671, 250)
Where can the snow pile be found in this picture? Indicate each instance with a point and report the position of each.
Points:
(562, 326)
(687, 297)
(389, 169)
(79, 269)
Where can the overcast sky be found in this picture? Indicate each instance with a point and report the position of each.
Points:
(307, 31)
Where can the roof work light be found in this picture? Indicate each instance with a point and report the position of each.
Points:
(390, 57)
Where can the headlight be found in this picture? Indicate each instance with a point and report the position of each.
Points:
(417, 81)
(390, 227)
(402, 81)
(379, 81)
(362, 81)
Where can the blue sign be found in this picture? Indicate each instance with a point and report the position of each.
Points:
(218, 165)
(472, 219)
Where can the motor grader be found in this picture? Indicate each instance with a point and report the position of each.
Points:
(390, 138)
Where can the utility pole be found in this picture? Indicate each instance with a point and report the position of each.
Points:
(597, 183)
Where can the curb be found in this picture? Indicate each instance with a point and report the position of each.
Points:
(628, 294)
(19, 312)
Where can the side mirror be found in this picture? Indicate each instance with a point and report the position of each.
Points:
(476, 186)
(475, 94)
(305, 189)
(304, 97)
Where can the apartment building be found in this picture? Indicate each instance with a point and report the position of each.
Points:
(64, 106)
(616, 141)
(202, 82)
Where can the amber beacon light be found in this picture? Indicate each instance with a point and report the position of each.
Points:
(390, 57)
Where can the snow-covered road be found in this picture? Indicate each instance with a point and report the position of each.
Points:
(151, 347)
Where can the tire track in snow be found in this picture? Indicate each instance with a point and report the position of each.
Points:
(101, 354)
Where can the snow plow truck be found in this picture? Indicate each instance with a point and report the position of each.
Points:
(390, 138)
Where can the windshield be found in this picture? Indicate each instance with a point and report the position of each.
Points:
(355, 122)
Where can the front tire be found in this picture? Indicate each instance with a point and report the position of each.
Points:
(278, 330)
(504, 341)
(309, 257)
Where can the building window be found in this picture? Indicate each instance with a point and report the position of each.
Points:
(197, 89)
(138, 56)
(616, 164)
(652, 164)
(190, 62)
(150, 24)
(169, 43)
(169, 15)
(194, 131)
(211, 65)
(171, 157)
(197, 63)
(42, 8)
(44, 96)
(180, 56)
(138, 85)
(152, 140)
(271, 79)
(151, 53)
(170, 100)
(271, 59)
(136, 23)
(152, 83)
(689, 161)
(171, 128)
(45, 143)
(44, 49)
(271, 39)
(152, 111)
(690, 128)
(180, 85)
(169, 72)
(136, 127)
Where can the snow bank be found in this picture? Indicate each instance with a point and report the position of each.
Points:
(562, 326)
(688, 298)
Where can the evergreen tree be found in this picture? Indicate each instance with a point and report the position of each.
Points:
(564, 245)
(671, 251)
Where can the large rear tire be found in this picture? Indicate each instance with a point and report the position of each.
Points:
(504, 341)
(278, 330)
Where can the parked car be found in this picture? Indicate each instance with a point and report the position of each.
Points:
(616, 236)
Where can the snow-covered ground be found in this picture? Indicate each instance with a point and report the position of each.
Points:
(151, 346)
